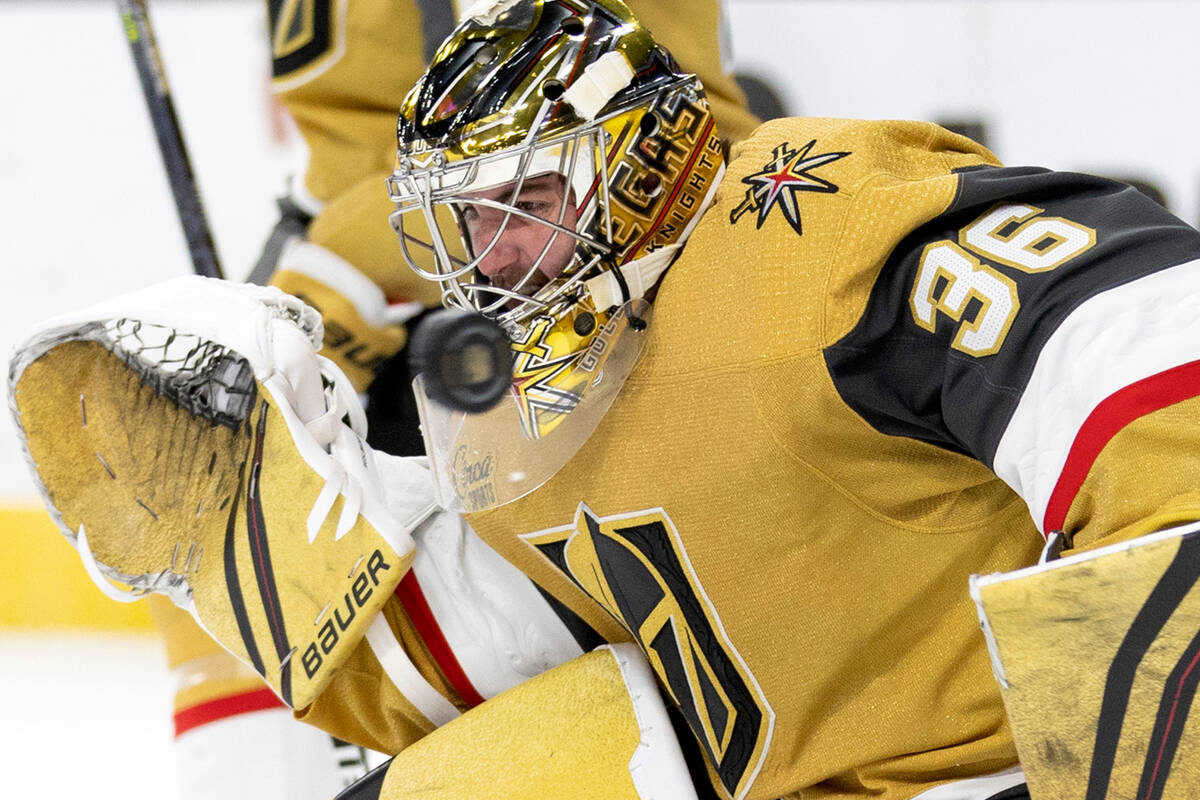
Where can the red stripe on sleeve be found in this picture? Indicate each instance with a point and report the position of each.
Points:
(414, 602)
(1106, 420)
(225, 707)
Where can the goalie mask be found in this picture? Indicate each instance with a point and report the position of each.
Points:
(551, 161)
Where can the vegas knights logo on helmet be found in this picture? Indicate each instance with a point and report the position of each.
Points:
(574, 156)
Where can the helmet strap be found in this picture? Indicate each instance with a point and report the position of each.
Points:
(599, 83)
(618, 285)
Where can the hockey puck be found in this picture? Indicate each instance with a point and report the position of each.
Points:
(465, 360)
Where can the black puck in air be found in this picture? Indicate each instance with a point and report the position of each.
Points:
(465, 358)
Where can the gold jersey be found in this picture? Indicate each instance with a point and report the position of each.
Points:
(796, 577)
(882, 363)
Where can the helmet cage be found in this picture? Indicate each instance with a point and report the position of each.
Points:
(578, 156)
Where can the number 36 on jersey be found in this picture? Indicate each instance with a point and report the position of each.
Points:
(959, 279)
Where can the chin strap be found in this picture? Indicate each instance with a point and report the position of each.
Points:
(639, 276)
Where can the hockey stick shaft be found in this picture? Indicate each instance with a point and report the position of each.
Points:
(171, 146)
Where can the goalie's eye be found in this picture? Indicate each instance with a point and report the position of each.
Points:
(539, 208)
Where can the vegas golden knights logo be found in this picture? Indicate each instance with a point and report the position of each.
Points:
(635, 567)
(303, 33)
(789, 171)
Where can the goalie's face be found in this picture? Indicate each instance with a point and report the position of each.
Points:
(520, 233)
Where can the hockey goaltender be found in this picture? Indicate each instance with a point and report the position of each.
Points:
(769, 412)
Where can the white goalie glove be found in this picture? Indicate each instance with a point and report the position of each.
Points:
(188, 441)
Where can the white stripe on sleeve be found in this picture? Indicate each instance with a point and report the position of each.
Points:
(1116, 338)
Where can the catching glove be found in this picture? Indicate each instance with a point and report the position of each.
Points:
(188, 441)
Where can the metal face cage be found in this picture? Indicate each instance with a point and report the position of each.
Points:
(431, 195)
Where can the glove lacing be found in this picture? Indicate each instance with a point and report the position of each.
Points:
(352, 466)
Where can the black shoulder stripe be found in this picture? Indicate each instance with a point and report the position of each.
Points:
(908, 380)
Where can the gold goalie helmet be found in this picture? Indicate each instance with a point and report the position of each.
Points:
(551, 161)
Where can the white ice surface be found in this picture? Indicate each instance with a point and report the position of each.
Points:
(85, 717)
